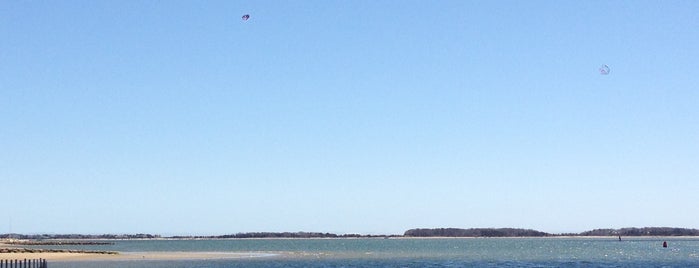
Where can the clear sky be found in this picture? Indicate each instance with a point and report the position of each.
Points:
(178, 117)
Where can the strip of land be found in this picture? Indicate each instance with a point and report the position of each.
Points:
(125, 256)
(10, 251)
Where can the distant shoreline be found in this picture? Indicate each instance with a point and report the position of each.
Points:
(4, 245)
(68, 242)
(412, 233)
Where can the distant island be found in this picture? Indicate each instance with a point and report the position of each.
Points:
(647, 231)
(515, 232)
(420, 232)
(474, 232)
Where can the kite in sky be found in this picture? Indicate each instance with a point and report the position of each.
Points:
(604, 70)
(246, 17)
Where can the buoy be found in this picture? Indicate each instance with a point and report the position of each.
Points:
(664, 244)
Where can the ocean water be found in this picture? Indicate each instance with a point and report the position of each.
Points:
(444, 252)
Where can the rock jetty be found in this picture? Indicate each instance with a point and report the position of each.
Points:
(36, 250)
(57, 243)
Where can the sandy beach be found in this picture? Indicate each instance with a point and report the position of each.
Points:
(64, 256)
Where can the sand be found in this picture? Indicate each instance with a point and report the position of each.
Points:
(63, 256)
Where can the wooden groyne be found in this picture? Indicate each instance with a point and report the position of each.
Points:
(33, 263)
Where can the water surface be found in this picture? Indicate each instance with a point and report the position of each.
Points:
(440, 252)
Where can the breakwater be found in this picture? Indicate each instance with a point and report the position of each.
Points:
(57, 243)
(37, 250)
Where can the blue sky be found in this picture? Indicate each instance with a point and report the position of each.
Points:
(177, 117)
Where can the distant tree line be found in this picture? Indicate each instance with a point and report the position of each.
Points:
(646, 231)
(514, 232)
(474, 232)
(276, 235)
(286, 235)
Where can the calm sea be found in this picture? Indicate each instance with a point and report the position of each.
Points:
(448, 252)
